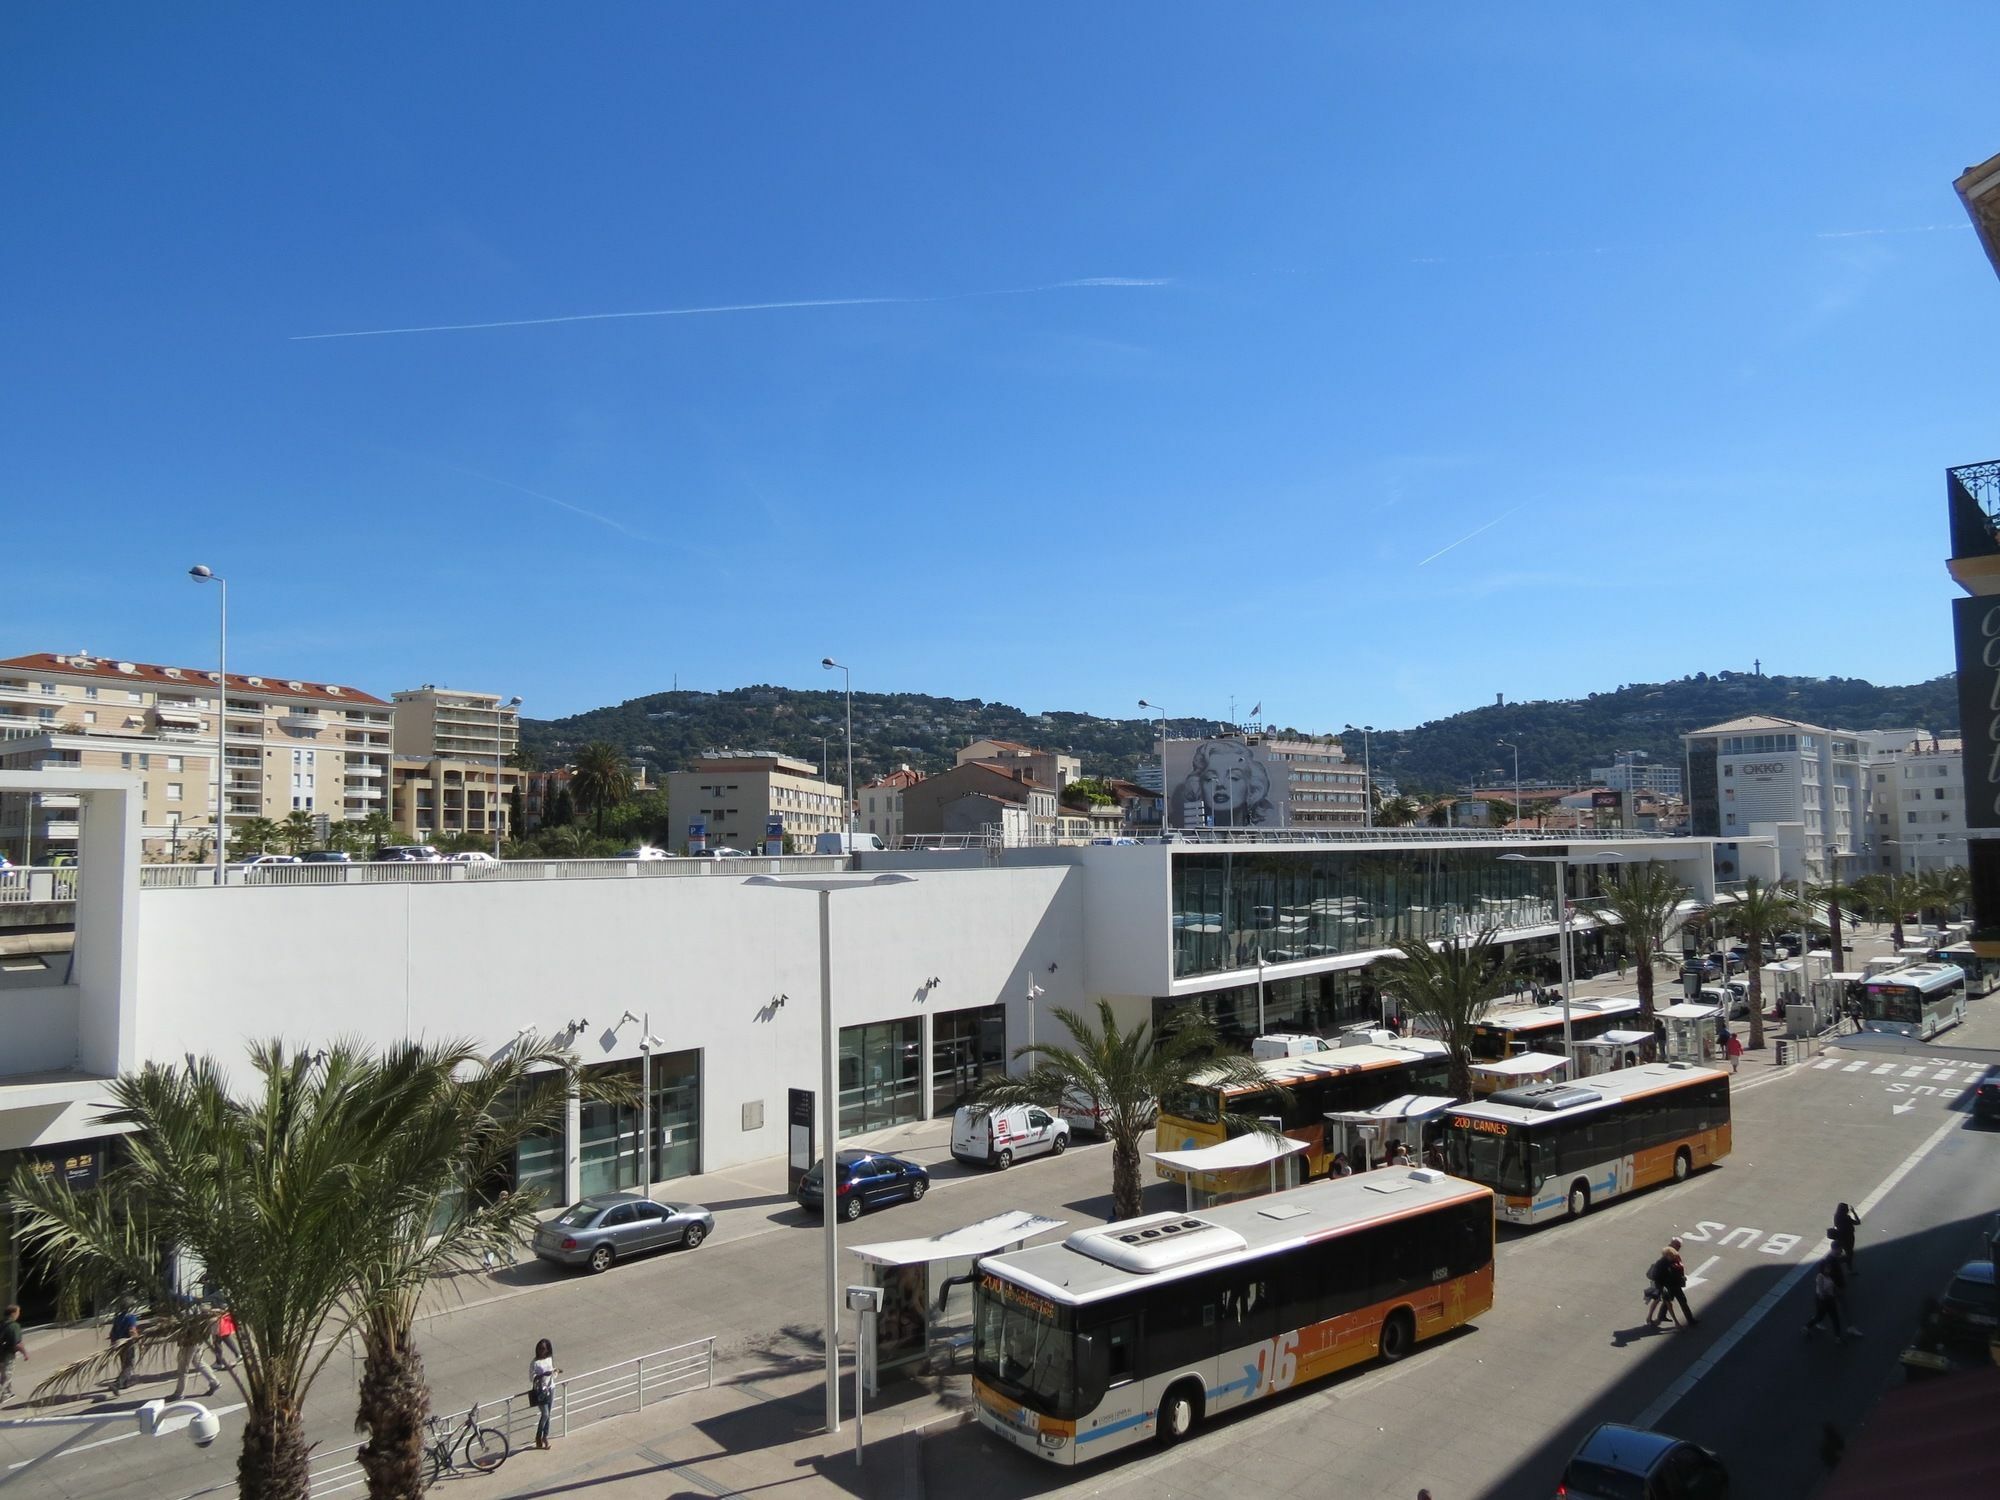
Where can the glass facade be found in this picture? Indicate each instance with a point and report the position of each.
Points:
(1294, 904)
(608, 1139)
(676, 1115)
(880, 1075)
(967, 1046)
(1319, 1003)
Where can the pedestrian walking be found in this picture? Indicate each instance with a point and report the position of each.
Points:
(125, 1340)
(1829, 1287)
(12, 1347)
(542, 1373)
(1658, 1309)
(1673, 1284)
(228, 1355)
(1845, 1222)
(196, 1331)
(1734, 1047)
(1341, 1166)
(1621, 965)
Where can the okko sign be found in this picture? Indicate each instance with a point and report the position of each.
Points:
(1976, 625)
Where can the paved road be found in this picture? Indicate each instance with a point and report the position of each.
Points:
(1491, 1412)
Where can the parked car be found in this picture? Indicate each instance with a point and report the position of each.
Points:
(1617, 1462)
(599, 1231)
(273, 859)
(1706, 965)
(471, 857)
(644, 851)
(1969, 1311)
(863, 1180)
(998, 1137)
(408, 854)
(328, 857)
(1986, 1095)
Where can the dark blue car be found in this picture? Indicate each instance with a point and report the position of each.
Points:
(863, 1180)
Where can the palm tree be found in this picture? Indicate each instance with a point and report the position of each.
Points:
(263, 1193)
(253, 835)
(1891, 896)
(1832, 893)
(1758, 911)
(297, 832)
(600, 780)
(378, 828)
(1122, 1075)
(1449, 988)
(1645, 899)
(1397, 812)
(1937, 893)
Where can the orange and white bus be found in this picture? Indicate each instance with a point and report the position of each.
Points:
(1147, 1327)
(1558, 1148)
(1340, 1080)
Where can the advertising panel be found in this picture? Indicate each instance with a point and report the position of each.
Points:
(1225, 782)
(1976, 626)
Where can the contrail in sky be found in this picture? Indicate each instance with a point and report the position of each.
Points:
(590, 515)
(1469, 536)
(739, 307)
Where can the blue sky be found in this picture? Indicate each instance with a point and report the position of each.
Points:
(1169, 349)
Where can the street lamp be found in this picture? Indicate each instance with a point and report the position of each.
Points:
(1509, 745)
(848, 678)
(828, 1114)
(1367, 776)
(1561, 862)
(201, 573)
(1155, 708)
(500, 712)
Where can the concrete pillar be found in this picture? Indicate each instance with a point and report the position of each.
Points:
(924, 1064)
(572, 1144)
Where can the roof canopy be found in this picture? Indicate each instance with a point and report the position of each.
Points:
(1233, 1155)
(1527, 1062)
(974, 1240)
(1688, 1011)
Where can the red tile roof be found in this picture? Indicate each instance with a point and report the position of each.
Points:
(110, 669)
(895, 779)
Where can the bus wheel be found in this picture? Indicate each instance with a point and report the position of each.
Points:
(1683, 1164)
(1180, 1414)
(1579, 1199)
(1398, 1335)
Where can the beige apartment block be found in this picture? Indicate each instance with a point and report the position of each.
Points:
(454, 770)
(444, 796)
(734, 793)
(432, 721)
(879, 804)
(288, 746)
(1048, 768)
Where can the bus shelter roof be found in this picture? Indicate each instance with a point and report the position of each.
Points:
(987, 1237)
(1688, 1011)
(1239, 1151)
(1402, 1107)
(1527, 1062)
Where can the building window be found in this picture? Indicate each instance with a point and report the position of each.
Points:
(173, 762)
(134, 697)
(125, 760)
(90, 716)
(1913, 817)
(1938, 793)
(174, 791)
(91, 693)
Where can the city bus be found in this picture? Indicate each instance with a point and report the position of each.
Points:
(1540, 1028)
(1340, 1080)
(1919, 1001)
(1558, 1148)
(1148, 1327)
(1982, 975)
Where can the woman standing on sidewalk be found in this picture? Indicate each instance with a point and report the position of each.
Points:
(542, 1373)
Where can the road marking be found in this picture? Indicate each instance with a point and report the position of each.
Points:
(1695, 1277)
(1916, 1072)
(1854, 1067)
(1691, 1377)
(1945, 1073)
(1831, 1062)
(1885, 1068)
(176, 1425)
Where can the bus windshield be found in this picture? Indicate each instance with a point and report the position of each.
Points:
(1491, 1043)
(1193, 1102)
(1023, 1346)
(1896, 1002)
(1474, 1149)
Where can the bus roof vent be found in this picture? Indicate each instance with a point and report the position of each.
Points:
(1157, 1243)
(1546, 1096)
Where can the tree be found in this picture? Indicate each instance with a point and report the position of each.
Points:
(1891, 896)
(1449, 989)
(1645, 899)
(600, 780)
(1757, 913)
(1499, 814)
(378, 828)
(252, 836)
(1396, 812)
(297, 832)
(1834, 894)
(1122, 1075)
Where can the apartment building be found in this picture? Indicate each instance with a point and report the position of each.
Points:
(734, 794)
(1762, 770)
(289, 746)
(1049, 768)
(879, 804)
(453, 772)
(1630, 775)
(979, 794)
(433, 721)
(1918, 805)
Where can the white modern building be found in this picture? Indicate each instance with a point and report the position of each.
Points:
(1919, 805)
(1750, 775)
(1633, 772)
(935, 980)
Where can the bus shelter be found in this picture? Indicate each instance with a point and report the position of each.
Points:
(1368, 1135)
(1690, 1032)
(916, 1278)
(1241, 1167)
(1518, 1072)
(1614, 1050)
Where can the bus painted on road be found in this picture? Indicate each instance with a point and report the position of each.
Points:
(1919, 1001)
(1339, 1080)
(1540, 1028)
(1148, 1327)
(1556, 1149)
(1982, 975)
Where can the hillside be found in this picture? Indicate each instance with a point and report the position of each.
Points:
(1560, 739)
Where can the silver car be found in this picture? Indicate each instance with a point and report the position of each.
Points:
(599, 1231)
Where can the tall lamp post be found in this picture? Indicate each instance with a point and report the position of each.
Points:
(1367, 776)
(847, 679)
(1155, 708)
(1561, 862)
(500, 712)
(202, 574)
(1510, 745)
(829, 1114)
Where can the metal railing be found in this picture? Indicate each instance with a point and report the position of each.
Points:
(397, 872)
(614, 1391)
(22, 885)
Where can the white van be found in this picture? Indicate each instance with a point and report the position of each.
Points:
(849, 843)
(995, 1137)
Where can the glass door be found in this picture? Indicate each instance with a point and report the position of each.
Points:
(608, 1141)
(676, 1115)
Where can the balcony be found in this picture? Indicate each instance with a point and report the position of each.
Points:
(66, 800)
(362, 768)
(60, 831)
(309, 720)
(362, 791)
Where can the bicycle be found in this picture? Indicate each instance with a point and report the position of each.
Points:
(485, 1447)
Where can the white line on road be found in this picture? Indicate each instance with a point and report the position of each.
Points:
(1651, 1416)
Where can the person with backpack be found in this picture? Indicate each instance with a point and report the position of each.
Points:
(1829, 1286)
(125, 1339)
(542, 1373)
(11, 1348)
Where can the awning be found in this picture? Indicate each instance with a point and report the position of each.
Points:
(1233, 1155)
(176, 716)
(1688, 1011)
(1527, 1062)
(1626, 1038)
(1405, 1107)
(986, 1237)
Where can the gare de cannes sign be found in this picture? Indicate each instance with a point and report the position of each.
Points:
(1976, 626)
